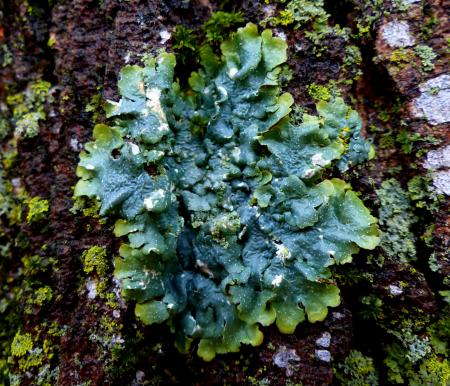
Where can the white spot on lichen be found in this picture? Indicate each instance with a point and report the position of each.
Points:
(286, 359)
(142, 88)
(236, 152)
(433, 104)
(170, 306)
(151, 201)
(395, 290)
(204, 268)
(323, 355)
(318, 160)
(331, 253)
(223, 93)
(396, 34)
(309, 173)
(324, 341)
(90, 167)
(165, 36)
(232, 72)
(116, 314)
(283, 253)
(91, 287)
(154, 103)
(114, 103)
(135, 148)
(242, 232)
(277, 281)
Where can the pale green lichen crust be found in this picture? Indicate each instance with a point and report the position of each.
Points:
(229, 222)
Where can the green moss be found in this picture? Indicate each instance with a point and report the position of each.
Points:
(357, 370)
(184, 38)
(406, 139)
(371, 307)
(440, 333)
(387, 141)
(219, 25)
(185, 43)
(428, 26)
(396, 220)
(352, 56)
(94, 106)
(369, 12)
(423, 194)
(37, 209)
(95, 260)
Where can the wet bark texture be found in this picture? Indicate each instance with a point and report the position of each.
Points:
(90, 41)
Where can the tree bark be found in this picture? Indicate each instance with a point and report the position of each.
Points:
(79, 46)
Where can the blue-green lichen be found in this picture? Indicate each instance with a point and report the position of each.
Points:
(229, 222)
(396, 220)
(357, 370)
(426, 56)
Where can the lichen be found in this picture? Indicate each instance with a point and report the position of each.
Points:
(28, 108)
(21, 345)
(311, 17)
(426, 55)
(248, 180)
(422, 193)
(95, 260)
(357, 370)
(396, 221)
(319, 92)
(37, 209)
